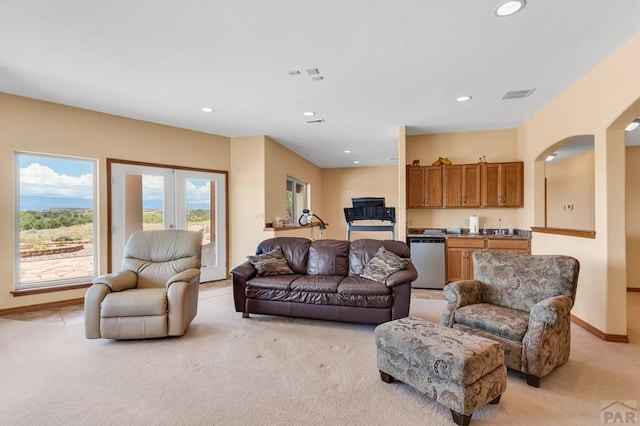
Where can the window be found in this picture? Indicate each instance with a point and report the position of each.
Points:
(55, 215)
(296, 199)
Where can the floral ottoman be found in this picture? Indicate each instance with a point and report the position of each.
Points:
(460, 370)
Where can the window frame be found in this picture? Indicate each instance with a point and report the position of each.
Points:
(295, 212)
(17, 192)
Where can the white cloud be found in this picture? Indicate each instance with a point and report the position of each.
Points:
(36, 179)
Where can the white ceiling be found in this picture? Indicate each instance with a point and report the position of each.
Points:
(385, 63)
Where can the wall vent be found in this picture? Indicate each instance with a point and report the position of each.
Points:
(320, 120)
(516, 94)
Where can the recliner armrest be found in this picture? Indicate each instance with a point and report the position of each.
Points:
(118, 281)
(549, 310)
(191, 276)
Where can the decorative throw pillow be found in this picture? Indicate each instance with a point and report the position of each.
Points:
(270, 263)
(383, 264)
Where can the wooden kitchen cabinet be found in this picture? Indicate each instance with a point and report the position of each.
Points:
(461, 185)
(502, 184)
(511, 245)
(459, 254)
(424, 186)
(459, 257)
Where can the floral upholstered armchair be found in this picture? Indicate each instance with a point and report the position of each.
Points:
(521, 301)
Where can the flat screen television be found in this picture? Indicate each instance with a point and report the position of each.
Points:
(368, 202)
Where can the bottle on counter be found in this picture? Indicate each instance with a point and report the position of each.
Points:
(484, 229)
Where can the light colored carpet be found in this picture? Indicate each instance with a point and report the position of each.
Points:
(269, 370)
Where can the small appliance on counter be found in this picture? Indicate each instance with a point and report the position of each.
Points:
(474, 224)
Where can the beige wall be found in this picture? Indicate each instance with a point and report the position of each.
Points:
(258, 191)
(602, 103)
(280, 163)
(41, 127)
(247, 196)
(571, 193)
(342, 184)
(632, 213)
(462, 148)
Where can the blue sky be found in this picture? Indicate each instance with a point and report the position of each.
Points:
(62, 177)
(52, 177)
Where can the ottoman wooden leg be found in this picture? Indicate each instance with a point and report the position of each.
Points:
(461, 419)
(245, 315)
(387, 378)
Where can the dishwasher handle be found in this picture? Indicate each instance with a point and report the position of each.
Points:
(426, 240)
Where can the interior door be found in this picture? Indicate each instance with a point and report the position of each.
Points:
(151, 197)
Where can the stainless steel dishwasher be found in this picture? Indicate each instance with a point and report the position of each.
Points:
(428, 256)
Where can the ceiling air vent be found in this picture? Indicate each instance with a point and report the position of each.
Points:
(320, 120)
(517, 94)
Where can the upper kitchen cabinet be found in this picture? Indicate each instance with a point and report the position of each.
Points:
(502, 184)
(424, 186)
(461, 185)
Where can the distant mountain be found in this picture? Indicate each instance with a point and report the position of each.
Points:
(36, 202)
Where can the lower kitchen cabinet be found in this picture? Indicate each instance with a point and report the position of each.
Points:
(514, 246)
(459, 257)
(459, 260)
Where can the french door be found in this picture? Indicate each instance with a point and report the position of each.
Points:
(153, 197)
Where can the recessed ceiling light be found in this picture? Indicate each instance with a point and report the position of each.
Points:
(356, 162)
(347, 151)
(464, 98)
(206, 109)
(508, 8)
(309, 113)
(633, 125)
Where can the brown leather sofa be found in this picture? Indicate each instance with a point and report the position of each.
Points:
(325, 283)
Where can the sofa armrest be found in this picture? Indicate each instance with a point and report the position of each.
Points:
(407, 275)
(241, 274)
(191, 276)
(118, 281)
(459, 294)
(244, 270)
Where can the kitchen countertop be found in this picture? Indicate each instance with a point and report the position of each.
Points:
(477, 236)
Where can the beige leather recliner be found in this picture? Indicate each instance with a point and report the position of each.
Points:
(156, 293)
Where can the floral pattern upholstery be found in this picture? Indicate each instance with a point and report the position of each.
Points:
(521, 301)
(460, 370)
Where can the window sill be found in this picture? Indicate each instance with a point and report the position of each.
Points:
(566, 232)
(48, 289)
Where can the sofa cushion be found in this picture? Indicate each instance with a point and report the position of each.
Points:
(270, 263)
(317, 283)
(520, 281)
(363, 286)
(135, 302)
(277, 282)
(295, 250)
(361, 251)
(493, 319)
(328, 257)
(383, 264)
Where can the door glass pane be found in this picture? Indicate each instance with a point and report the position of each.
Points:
(200, 195)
